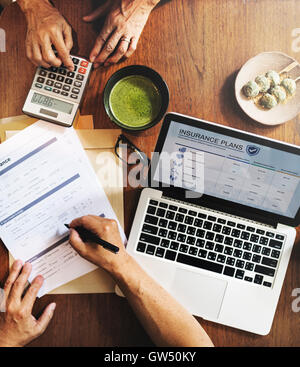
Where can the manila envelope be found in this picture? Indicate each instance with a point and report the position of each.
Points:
(10, 125)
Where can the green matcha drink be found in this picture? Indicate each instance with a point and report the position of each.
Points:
(135, 101)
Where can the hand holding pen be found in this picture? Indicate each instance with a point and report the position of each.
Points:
(89, 236)
(101, 229)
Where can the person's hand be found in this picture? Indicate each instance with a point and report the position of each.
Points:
(124, 23)
(108, 230)
(46, 27)
(18, 326)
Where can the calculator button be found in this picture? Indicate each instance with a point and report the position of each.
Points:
(74, 96)
(48, 88)
(75, 90)
(50, 82)
(68, 81)
(43, 72)
(66, 88)
(58, 85)
(51, 76)
(53, 69)
(38, 85)
(64, 94)
(75, 61)
(84, 64)
(56, 90)
(79, 77)
(40, 80)
(60, 78)
(77, 84)
(82, 70)
(62, 71)
(70, 74)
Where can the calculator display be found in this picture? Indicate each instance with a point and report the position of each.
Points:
(54, 104)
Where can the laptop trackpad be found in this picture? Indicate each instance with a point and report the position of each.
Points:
(202, 295)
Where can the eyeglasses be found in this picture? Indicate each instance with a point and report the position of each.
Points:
(128, 153)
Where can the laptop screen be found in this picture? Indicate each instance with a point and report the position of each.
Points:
(231, 168)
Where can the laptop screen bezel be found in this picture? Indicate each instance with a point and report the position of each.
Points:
(213, 202)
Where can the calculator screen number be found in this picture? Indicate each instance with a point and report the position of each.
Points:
(54, 104)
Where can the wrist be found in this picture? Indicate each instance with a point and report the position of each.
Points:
(150, 4)
(147, 5)
(130, 277)
(120, 268)
(32, 5)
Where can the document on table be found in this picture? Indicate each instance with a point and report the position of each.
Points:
(46, 180)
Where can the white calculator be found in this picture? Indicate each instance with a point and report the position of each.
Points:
(55, 93)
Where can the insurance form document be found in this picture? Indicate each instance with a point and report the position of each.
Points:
(46, 180)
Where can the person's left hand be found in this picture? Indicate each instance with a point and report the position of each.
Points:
(18, 326)
(122, 28)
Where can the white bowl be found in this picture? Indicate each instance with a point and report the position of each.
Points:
(258, 65)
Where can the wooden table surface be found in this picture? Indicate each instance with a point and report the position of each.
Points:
(198, 46)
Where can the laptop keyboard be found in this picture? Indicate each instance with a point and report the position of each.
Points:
(210, 242)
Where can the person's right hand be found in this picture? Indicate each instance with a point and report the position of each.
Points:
(46, 27)
(108, 230)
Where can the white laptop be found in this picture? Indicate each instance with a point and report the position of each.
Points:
(223, 254)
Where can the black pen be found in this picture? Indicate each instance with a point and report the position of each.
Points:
(88, 236)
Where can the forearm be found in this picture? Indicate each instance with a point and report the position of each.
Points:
(164, 319)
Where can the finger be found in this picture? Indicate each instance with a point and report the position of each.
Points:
(109, 47)
(67, 32)
(89, 222)
(102, 227)
(32, 292)
(14, 272)
(29, 53)
(45, 318)
(76, 242)
(100, 42)
(132, 47)
(63, 52)
(38, 58)
(20, 283)
(102, 10)
(119, 53)
(48, 54)
(96, 49)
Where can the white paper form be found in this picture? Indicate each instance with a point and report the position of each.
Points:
(46, 180)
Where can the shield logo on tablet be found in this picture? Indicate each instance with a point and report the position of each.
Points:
(252, 150)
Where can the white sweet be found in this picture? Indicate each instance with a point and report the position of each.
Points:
(273, 77)
(279, 93)
(289, 85)
(251, 89)
(263, 83)
(268, 101)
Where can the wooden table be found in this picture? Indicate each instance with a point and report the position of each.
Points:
(198, 46)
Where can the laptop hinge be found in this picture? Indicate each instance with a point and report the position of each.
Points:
(252, 219)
